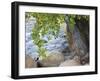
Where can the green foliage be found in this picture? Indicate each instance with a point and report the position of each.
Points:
(42, 52)
(45, 23)
(74, 18)
(71, 22)
(82, 17)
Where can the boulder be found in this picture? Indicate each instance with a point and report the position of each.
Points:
(30, 62)
(52, 60)
(72, 62)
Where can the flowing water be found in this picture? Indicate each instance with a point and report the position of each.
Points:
(57, 44)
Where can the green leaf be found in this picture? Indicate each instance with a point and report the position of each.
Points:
(45, 23)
